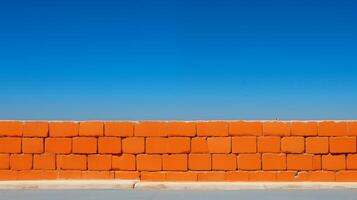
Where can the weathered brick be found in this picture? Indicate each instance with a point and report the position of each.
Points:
(330, 128)
(304, 128)
(224, 162)
(134, 145)
(333, 162)
(272, 161)
(63, 129)
(269, 144)
(44, 161)
(32, 145)
(199, 145)
(84, 145)
(124, 162)
(299, 162)
(119, 129)
(181, 129)
(35, 129)
(10, 145)
(243, 128)
(199, 162)
(58, 145)
(11, 128)
(168, 145)
(21, 161)
(244, 144)
(71, 162)
(343, 144)
(249, 161)
(276, 128)
(175, 162)
(212, 129)
(109, 145)
(219, 144)
(147, 162)
(292, 144)
(91, 129)
(99, 162)
(153, 129)
(317, 145)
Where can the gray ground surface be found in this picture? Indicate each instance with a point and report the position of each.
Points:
(183, 194)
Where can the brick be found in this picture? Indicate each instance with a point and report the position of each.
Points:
(317, 145)
(343, 144)
(346, 176)
(63, 129)
(11, 128)
(211, 176)
(44, 161)
(224, 162)
(219, 144)
(134, 145)
(10, 145)
(237, 176)
(181, 129)
(101, 175)
(272, 161)
(69, 174)
(299, 162)
(72, 162)
(6, 175)
(147, 162)
(21, 161)
(181, 176)
(150, 129)
(268, 144)
(351, 162)
(304, 128)
(212, 129)
(262, 176)
(316, 162)
(168, 145)
(35, 129)
(84, 145)
(244, 144)
(32, 145)
(58, 145)
(333, 162)
(352, 128)
(124, 162)
(4, 161)
(91, 129)
(126, 175)
(99, 162)
(37, 175)
(175, 162)
(245, 128)
(285, 176)
(276, 128)
(321, 176)
(199, 162)
(110, 145)
(293, 144)
(199, 145)
(152, 176)
(330, 128)
(249, 161)
(119, 129)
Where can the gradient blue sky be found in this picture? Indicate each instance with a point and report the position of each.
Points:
(178, 60)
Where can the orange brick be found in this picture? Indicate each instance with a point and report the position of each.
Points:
(37, 175)
(224, 162)
(109, 145)
(125, 162)
(58, 145)
(11, 128)
(125, 175)
(174, 162)
(72, 162)
(84, 145)
(35, 129)
(91, 129)
(249, 161)
(245, 128)
(168, 145)
(149, 162)
(330, 128)
(321, 176)
(285, 176)
(181, 129)
(262, 176)
(237, 176)
(211, 176)
(212, 129)
(133, 145)
(269, 144)
(10, 145)
(32, 145)
(276, 128)
(316, 162)
(272, 161)
(101, 175)
(63, 129)
(244, 144)
(219, 144)
(199, 162)
(152, 176)
(343, 144)
(150, 129)
(293, 144)
(304, 128)
(119, 129)
(346, 176)
(181, 176)
(333, 162)
(299, 162)
(351, 161)
(6, 175)
(317, 145)
(4, 161)
(99, 162)
(20, 161)
(44, 161)
(69, 174)
(199, 145)
(352, 128)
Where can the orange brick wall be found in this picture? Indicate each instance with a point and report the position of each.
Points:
(179, 151)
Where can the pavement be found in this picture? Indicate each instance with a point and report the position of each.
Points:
(109, 194)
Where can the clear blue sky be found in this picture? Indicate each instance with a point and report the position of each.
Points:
(184, 59)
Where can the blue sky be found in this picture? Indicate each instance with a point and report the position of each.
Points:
(178, 60)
